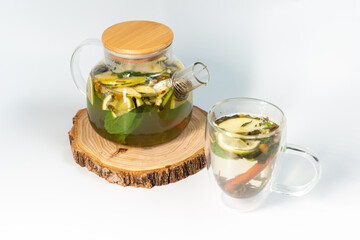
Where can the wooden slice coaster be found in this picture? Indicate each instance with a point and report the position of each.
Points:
(140, 166)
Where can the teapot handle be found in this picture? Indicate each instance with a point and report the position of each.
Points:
(78, 78)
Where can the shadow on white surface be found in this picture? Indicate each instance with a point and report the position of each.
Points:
(337, 172)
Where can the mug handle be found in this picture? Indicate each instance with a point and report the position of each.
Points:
(78, 78)
(305, 188)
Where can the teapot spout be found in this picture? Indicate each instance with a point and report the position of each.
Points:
(187, 79)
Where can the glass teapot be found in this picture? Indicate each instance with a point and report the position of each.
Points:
(139, 94)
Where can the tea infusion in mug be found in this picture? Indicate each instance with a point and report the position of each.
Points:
(250, 159)
(244, 141)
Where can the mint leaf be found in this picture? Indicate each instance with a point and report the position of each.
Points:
(119, 125)
(133, 74)
(128, 122)
(217, 150)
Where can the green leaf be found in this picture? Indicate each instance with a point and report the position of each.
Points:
(133, 74)
(119, 125)
(217, 150)
(128, 122)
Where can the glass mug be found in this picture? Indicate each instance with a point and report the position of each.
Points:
(245, 143)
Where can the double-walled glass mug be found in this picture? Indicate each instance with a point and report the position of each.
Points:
(245, 144)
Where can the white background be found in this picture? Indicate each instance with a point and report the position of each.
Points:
(302, 55)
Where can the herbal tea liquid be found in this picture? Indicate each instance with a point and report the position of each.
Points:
(136, 108)
(243, 160)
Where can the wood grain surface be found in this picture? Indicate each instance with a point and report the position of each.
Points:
(140, 166)
(137, 37)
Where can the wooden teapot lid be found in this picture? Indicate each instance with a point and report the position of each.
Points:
(137, 37)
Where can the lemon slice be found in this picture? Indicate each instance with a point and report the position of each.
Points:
(144, 89)
(90, 90)
(106, 76)
(118, 106)
(124, 105)
(128, 92)
(108, 100)
(162, 87)
(114, 81)
(241, 125)
(236, 145)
